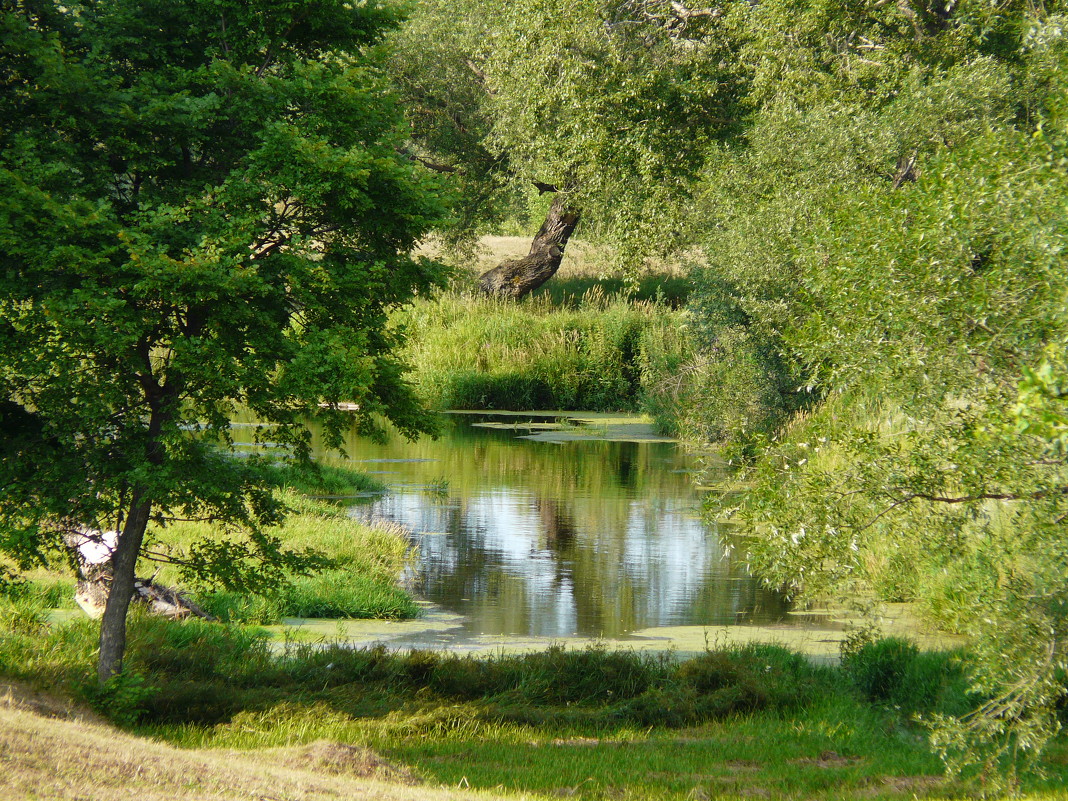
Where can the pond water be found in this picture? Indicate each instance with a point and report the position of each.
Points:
(541, 526)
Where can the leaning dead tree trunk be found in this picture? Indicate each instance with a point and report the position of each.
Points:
(515, 278)
(93, 552)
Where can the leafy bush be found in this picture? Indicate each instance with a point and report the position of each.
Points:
(730, 392)
(895, 672)
(124, 698)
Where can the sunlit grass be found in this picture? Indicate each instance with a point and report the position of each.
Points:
(604, 353)
(363, 582)
(366, 562)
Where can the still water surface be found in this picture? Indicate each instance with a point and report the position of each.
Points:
(582, 537)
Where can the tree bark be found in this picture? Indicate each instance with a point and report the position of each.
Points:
(123, 563)
(518, 277)
(92, 551)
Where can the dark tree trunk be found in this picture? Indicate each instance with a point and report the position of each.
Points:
(516, 278)
(123, 563)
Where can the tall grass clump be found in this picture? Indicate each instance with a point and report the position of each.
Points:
(36, 650)
(895, 672)
(40, 588)
(323, 480)
(328, 594)
(605, 354)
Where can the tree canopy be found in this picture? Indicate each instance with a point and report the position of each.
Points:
(204, 208)
(617, 106)
(886, 262)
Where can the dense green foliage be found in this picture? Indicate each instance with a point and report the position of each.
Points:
(615, 104)
(203, 206)
(887, 267)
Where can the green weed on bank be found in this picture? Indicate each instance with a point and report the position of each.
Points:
(327, 481)
(328, 594)
(361, 582)
(363, 564)
(604, 354)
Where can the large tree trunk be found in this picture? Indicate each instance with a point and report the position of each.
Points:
(123, 563)
(516, 278)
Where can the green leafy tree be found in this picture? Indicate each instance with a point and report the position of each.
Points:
(891, 242)
(204, 206)
(614, 108)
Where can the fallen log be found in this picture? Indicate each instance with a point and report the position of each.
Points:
(92, 551)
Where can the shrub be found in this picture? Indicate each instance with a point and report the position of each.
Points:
(894, 671)
(124, 699)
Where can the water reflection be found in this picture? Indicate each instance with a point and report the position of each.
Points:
(586, 538)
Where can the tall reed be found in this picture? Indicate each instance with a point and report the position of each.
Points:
(605, 354)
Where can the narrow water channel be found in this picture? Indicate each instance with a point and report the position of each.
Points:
(526, 528)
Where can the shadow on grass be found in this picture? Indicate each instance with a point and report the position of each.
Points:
(569, 291)
(590, 723)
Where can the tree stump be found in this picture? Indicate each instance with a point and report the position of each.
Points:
(92, 551)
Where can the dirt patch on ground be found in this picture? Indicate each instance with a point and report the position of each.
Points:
(914, 785)
(743, 766)
(20, 696)
(701, 794)
(827, 759)
(340, 759)
(581, 742)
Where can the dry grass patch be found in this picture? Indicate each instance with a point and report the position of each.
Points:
(917, 785)
(67, 757)
(340, 759)
(827, 759)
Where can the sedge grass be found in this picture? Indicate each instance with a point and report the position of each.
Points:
(362, 582)
(472, 352)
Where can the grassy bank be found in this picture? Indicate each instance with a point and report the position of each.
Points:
(590, 724)
(361, 564)
(606, 353)
(360, 581)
